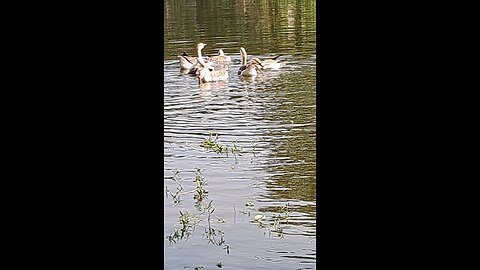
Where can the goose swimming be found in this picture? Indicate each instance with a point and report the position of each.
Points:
(206, 73)
(194, 68)
(272, 63)
(190, 63)
(187, 61)
(249, 69)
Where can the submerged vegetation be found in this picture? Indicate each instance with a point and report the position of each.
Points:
(211, 144)
(188, 222)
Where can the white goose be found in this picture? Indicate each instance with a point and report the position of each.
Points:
(194, 69)
(272, 63)
(206, 73)
(249, 69)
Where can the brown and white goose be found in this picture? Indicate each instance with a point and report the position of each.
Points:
(187, 61)
(190, 63)
(206, 73)
(249, 69)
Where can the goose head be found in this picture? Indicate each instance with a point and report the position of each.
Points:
(256, 61)
(201, 45)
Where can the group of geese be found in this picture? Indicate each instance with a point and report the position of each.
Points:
(216, 67)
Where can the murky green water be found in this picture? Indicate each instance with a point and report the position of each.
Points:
(271, 120)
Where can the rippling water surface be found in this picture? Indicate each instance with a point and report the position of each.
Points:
(271, 119)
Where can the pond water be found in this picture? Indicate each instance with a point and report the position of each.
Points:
(261, 194)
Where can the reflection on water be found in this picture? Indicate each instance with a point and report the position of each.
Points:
(270, 118)
(208, 87)
(267, 26)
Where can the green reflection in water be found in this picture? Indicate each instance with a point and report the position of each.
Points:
(293, 147)
(261, 26)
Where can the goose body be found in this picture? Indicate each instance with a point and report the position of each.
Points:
(272, 63)
(187, 61)
(249, 69)
(208, 74)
